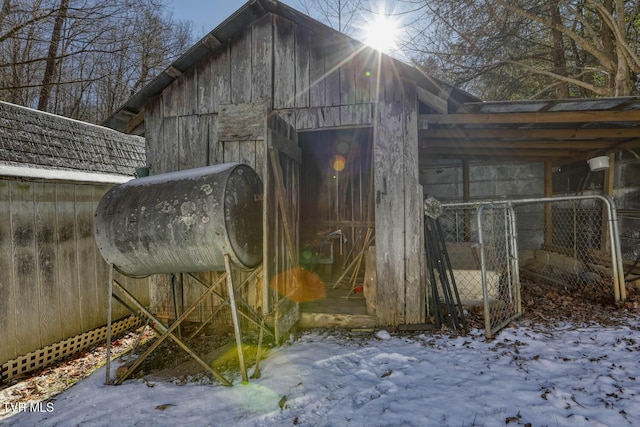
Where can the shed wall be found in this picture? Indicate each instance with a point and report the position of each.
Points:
(313, 82)
(443, 179)
(53, 280)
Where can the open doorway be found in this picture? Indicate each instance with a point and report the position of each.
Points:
(337, 215)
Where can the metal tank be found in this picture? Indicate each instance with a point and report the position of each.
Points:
(183, 221)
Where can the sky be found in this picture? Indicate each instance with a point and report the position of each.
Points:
(205, 14)
(556, 375)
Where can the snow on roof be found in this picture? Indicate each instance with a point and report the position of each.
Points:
(21, 171)
(46, 145)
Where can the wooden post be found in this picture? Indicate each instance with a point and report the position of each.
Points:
(466, 196)
(548, 213)
(609, 181)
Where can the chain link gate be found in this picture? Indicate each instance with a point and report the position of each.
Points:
(483, 247)
(568, 242)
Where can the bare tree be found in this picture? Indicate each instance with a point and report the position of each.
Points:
(545, 48)
(50, 61)
(83, 58)
(341, 15)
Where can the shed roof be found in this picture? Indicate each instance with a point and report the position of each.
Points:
(560, 131)
(36, 144)
(130, 115)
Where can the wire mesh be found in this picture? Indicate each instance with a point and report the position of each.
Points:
(484, 236)
(567, 243)
(574, 254)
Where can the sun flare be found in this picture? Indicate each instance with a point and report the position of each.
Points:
(381, 33)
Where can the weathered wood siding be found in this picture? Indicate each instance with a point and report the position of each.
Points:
(313, 81)
(398, 207)
(323, 81)
(53, 280)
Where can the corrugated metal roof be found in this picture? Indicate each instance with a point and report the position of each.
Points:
(557, 130)
(41, 140)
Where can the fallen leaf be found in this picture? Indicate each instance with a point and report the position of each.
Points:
(164, 406)
(282, 401)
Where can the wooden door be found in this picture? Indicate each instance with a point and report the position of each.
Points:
(281, 224)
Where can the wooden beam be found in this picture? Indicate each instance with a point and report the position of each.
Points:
(609, 182)
(548, 117)
(330, 223)
(488, 133)
(136, 121)
(548, 192)
(531, 143)
(483, 152)
(173, 72)
(211, 42)
(432, 100)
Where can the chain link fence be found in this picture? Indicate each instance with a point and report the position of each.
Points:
(570, 243)
(482, 245)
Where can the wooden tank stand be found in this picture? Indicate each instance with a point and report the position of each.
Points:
(138, 309)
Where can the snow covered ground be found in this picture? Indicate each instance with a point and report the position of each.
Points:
(568, 375)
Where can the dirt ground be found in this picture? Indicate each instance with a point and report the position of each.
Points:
(542, 305)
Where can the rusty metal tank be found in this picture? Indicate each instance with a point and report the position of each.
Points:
(183, 221)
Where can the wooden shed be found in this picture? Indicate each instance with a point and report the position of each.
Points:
(345, 139)
(329, 124)
(53, 294)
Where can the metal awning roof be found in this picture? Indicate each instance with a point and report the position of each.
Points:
(559, 131)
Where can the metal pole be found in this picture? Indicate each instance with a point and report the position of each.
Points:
(616, 254)
(514, 259)
(175, 303)
(234, 318)
(483, 274)
(158, 326)
(109, 315)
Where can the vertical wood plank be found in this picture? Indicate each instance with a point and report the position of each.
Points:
(284, 90)
(333, 56)
(363, 69)
(206, 87)
(302, 70)
(316, 73)
(247, 153)
(391, 81)
(221, 78)
(67, 261)
(153, 118)
(189, 95)
(347, 76)
(48, 284)
(172, 98)
(262, 52)
(413, 283)
(260, 158)
(168, 150)
(389, 213)
(8, 303)
(231, 151)
(87, 278)
(25, 266)
(208, 131)
(192, 147)
(241, 69)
